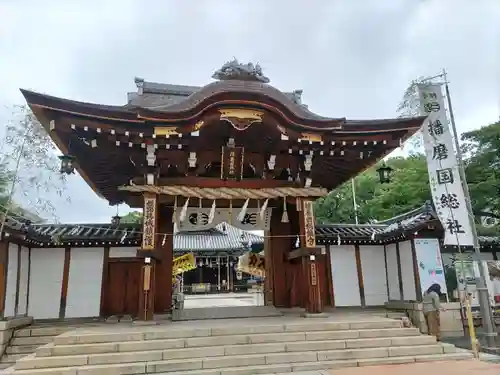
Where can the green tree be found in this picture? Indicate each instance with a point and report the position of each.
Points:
(133, 217)
(409, 189)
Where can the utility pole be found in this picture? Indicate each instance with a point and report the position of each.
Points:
(484, 300)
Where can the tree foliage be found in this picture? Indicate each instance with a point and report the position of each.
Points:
(29, 163)
(133, 217)
(409, 187)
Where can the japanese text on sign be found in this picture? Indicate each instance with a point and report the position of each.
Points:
(309, 227)
(445, 182)
(149, 230)
(314, 275)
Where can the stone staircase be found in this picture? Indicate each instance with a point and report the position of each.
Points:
(244, 347)
(25, 341)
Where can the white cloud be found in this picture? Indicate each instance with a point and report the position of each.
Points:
(352, 58)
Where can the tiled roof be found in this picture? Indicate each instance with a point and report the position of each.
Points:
(223, 237)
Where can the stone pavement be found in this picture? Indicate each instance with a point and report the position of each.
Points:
(472, 367)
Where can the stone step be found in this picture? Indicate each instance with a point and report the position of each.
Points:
(232, 312)
(42, 331)
(12, 358)
(172, 332)
(216, 357)
(241, 347)
(21, 349)
(141, 368)
(31, 340)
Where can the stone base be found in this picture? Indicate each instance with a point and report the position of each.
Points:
(7, 328)
(451, 320)
(225, 312)
(311, 315)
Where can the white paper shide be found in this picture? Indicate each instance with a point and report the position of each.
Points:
(444, 177)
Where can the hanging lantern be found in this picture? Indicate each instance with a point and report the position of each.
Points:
(67, 164)
(384, 173)
(115, 220)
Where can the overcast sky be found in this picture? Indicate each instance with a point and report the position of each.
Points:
(352, 58)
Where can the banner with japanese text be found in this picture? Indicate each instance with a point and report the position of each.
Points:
(430, 264)
(444, 177)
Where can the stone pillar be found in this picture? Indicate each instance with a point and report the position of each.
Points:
(147, 253)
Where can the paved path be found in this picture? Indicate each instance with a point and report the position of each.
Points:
(472, 367)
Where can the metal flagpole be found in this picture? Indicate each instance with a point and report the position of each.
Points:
(354, 201)
(484, 300)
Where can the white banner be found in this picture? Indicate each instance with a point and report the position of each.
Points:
(444, 177)
(430, 264)
(198, 219)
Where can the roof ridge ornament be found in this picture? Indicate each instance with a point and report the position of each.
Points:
(234, 70)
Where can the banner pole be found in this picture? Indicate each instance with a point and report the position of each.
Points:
(484, 300)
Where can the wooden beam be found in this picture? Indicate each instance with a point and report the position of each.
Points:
(64, 284)
(359, 268)
(304, 252)
(104, 282)
(400, 274)
(416, 273)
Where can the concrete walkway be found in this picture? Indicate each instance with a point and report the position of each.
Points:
(442, 368)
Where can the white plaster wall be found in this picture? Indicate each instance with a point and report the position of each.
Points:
(122, 252)
(344, 275)
(374, 281)
(407, 273)
(45, 282)
(392, 272)
(84, 282)
(10, 292)
(23, 281)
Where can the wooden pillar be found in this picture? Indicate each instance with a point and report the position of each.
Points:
(359, 268)
(280, 245)
(18, 281)
(105, 281)
(329, 277)
(268, 261)
(149, 255)
(416, 272)
(165, 249)
(309, 262)
(4, 262)
(64, 284)
(386, 274)
(400, 274)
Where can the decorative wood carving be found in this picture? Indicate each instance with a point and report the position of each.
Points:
(240, 118)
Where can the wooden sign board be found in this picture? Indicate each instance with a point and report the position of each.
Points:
(314, 274)
(232, 163)
(149, 224)
(309, 227)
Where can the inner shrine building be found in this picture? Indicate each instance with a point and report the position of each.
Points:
(237, 150)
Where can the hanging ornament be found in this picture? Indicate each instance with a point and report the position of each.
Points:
(164, 240)
(263, 209)
(211, 215)
(200, 205)
(373, 236)
(183, 213)
(230, 211)
(174, 214)
(298, 203)
(243, 211)
(284, 217)
(338, 239)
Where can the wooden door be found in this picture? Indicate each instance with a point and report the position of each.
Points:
(122, 292)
